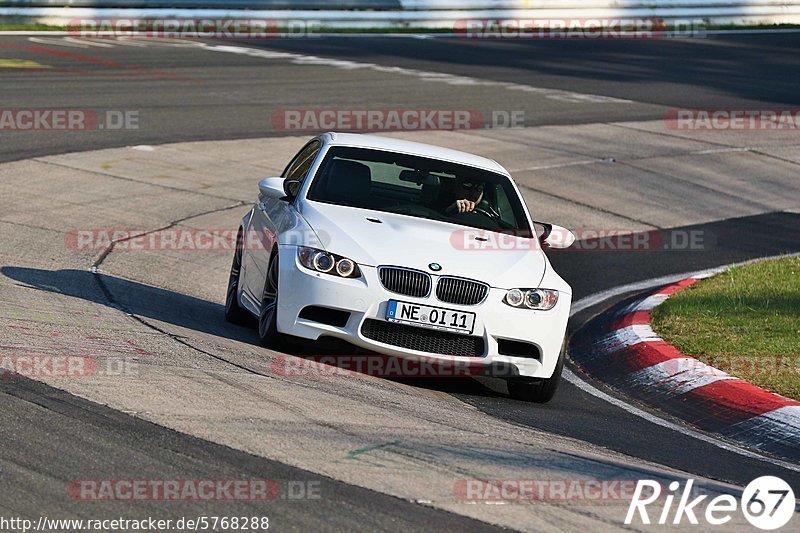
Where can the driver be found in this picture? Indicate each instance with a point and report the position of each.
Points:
(467, 196)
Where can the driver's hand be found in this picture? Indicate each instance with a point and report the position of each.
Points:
(462, 206)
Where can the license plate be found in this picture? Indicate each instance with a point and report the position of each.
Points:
(425, 316)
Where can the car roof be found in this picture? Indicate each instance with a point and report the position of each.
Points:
(407, 147)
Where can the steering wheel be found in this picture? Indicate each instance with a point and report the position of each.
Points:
(485, 213)
(494, 216)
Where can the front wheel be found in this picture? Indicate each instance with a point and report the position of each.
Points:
(234, 312)
(538, 390)
(268, 333)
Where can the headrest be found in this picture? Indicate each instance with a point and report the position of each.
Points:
(348, 180)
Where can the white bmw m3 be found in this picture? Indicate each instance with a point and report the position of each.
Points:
(406, 250)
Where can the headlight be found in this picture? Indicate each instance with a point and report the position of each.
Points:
(327, 263)
(322, 261)
(345, 267)
(539, 299)
(515, 297)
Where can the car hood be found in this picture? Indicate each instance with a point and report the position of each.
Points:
(503, 261)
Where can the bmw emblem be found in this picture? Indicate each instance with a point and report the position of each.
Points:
(436, 267)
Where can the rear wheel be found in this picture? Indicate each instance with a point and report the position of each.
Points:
(538, 390)
(268, 332)
(234, 313)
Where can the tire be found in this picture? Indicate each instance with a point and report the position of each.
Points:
(234, 313)
(538, 390)
(268, 333)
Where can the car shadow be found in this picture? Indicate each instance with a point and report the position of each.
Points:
(207, 317)
(137, 298)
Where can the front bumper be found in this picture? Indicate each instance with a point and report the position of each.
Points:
(365, 298)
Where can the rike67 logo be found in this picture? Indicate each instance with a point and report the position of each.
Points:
(767, 503)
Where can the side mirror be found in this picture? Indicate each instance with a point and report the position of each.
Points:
(272, 187)
(557, 237)
(291, 188)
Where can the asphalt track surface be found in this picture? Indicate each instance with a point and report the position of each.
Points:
(184, 95)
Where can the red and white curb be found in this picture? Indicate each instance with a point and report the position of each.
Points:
(621, 348)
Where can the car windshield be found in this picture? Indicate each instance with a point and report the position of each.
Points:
(420, 187)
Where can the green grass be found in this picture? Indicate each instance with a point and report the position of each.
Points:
(745, 321)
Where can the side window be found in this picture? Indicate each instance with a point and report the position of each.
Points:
(301, 164)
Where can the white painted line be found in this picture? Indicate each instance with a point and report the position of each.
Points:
(574, 379)
(168, 41)
(88, 42)
(57, 42)
(602, 296)
(128, 41)
(438, 77)
(719, 151)
(557, 165)
(782, 424)
(685, 430)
